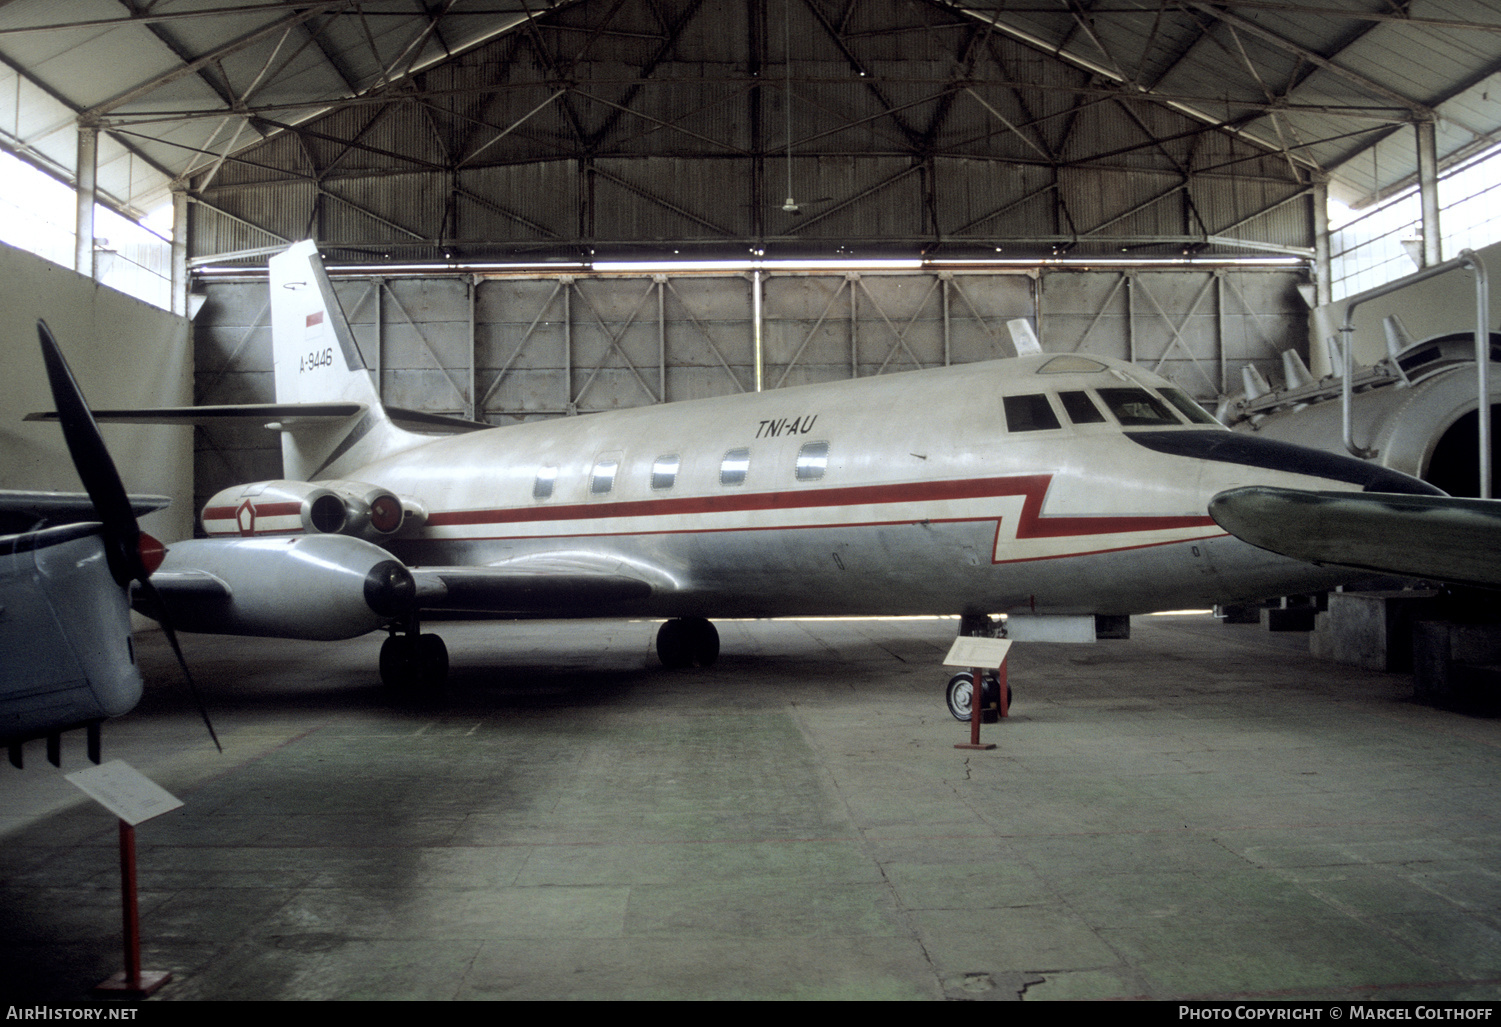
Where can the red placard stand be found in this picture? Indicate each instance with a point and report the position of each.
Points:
(975, 653)
(134, 798)
(132, 982)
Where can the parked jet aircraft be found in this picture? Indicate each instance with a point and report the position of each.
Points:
(1042, 485)
(66, 655)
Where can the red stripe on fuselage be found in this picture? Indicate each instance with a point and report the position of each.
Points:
(1032, 525)
(227, 513)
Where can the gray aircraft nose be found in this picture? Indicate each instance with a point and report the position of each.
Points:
(1251, 451)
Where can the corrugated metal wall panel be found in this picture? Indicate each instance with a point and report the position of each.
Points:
(635, 199)
(284, 211)
(542, 201)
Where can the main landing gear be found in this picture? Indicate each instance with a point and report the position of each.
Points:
(960, 696)
(412, 661)
(687, 642)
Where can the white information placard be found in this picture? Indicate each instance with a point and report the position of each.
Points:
(124, 791)
(977, 652)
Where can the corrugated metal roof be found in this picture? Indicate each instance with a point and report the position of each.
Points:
(695, 106)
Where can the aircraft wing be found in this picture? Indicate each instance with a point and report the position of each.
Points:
(23, 511)
(1437, 537)
(547, 584)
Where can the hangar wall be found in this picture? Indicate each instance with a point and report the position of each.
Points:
(125, 353)
(506, 348)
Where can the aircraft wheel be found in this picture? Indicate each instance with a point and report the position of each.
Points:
(960, 697)
(687, 642)
(432, 662)
(397, 662)
(412, 664)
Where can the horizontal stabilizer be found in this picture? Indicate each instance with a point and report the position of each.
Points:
(1436, 537)
(263, 412)
(286, 414)
(420, 420)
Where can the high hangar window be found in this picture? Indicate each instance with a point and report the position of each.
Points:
(733, 468)
(1030, 413)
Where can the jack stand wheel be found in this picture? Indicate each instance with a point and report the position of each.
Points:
(959, 696)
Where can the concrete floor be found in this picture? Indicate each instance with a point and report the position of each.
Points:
(1201, 812)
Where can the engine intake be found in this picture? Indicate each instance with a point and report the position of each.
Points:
(308, 508)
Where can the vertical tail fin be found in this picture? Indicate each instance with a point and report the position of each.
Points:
(315, 355)
(315, 360)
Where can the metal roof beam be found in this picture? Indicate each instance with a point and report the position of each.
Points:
(192, 67)
(914, 138)
(674, 32)
(302, 131)
(664, 204)
(862, 194)
(165, 38)
(663, 124)
(1283, 43)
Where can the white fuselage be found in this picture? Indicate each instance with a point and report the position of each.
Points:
(915, 496)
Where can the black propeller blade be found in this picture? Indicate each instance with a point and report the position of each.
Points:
(122, 535)
(121, 532)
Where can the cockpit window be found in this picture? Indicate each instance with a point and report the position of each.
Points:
(1080, 408)
(1187, 407)
(1030, 413)
(542, 487)
(1137, 408)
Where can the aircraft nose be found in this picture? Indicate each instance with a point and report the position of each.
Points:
(1251, 451)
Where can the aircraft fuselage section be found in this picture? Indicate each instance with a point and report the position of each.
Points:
(908, 493)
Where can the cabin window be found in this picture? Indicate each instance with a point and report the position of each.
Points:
(812, 461)
(603, 478)
(1137, 408)
(1030, 413)
(1188, 408)
(1080, 408)
(542, 487)
(734, 466)
(664, 472)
